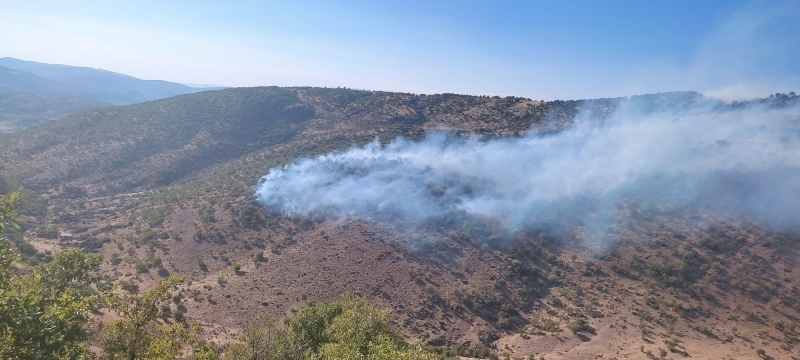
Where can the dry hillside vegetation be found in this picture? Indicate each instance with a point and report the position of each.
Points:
(165, 188)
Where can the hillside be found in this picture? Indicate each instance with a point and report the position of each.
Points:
(35, 93)
(21, 110)
(111, 87)
(12, 80)
(166, 187)
(157, 143)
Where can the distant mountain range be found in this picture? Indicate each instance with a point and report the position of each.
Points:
(32, 93)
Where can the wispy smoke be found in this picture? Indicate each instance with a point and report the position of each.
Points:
(746, 160)
(747, 53)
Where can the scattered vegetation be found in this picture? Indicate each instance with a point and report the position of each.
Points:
(345, 329)
(680, 269)
(48, 232)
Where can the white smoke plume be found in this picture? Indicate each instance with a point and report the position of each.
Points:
(747, 160)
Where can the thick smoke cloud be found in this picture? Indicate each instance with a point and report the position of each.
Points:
(744, 161)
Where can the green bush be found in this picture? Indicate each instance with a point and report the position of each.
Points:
(345, 329)
(129, 286)
(578, 325)
(548, 325)
(206, 214)
(166, 312)
(259, 256)
(26, 249)
(155, 216)
(48, 232)
(534, 270)
(54, 291)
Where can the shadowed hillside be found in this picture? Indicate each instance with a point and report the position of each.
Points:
(34, 93)
(107, 86)
(25, 82)
(21, 110)
(159, 142)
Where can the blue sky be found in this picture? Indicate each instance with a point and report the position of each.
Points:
(542, 50)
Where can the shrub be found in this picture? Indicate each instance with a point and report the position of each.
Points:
(345, 329)
(548, 325)
(166, 312)
(206, 214)
(26, 249)
(534, 270)
(555, 301)
(48, 232)
(672, 345)
(578, 325)
(155, 216)
(129, 286)
(53, 289)
(259, 256)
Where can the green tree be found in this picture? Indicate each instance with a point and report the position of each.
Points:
(137, 334)
(578, 325)
(260, 342)
(44, 311)
(205, 352)
(9, 207)
(345, 329)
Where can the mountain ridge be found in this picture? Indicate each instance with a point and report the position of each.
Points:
(57, 90)
(135, 89)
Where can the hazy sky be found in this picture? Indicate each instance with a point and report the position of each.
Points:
(542, 50)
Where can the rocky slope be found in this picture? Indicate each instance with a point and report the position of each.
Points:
(165, 187)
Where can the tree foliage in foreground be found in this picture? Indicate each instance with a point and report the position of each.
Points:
(138, 334)
(346, 329)
(44, 311)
